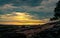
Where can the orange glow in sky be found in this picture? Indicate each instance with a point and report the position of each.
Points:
(18, 18)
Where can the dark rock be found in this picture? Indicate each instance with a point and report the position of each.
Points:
(57, 12)
(53, 32)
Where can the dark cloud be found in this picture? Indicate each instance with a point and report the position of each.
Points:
(2, 2)
(21, 2)
(42, 8)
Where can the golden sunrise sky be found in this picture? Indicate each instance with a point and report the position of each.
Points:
(19, 18)
(26, 12)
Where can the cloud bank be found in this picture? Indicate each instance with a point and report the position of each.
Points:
(33, 10)
(44, 8)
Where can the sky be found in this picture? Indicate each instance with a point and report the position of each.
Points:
(26, 11)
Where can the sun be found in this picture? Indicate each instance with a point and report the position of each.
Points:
(22, 16)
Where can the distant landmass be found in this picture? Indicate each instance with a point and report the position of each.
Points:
(49, 30)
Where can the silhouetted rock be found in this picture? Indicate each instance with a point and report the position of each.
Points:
(13, 35)
(53, 32)
(57, 12)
